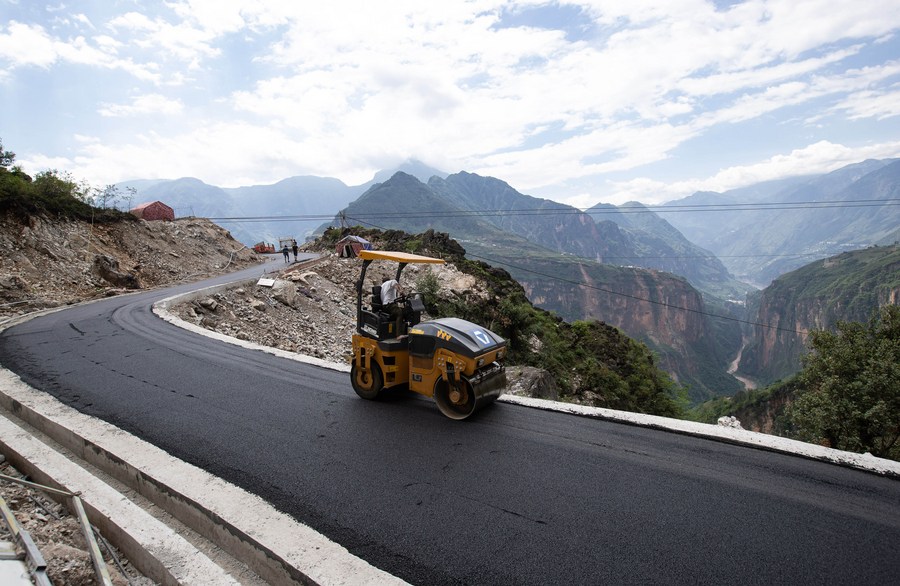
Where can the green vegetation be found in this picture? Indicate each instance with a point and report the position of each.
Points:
(592, 362)
(846, 397)
(51, 193)
(851, 381)
(851, 282)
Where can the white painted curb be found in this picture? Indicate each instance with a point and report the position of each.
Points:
(754, 439)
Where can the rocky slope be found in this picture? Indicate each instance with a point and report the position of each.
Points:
(311, 308)
(46, 262)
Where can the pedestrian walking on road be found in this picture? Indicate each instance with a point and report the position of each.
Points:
(287, 253)
(295, 251)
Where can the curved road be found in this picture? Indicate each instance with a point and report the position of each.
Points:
(513, 496)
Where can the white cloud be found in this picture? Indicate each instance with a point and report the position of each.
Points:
(23, 45)
(870, 104)
(30, 45)
(184, 41)
(147, 104)
(820, 157)
(344, 87)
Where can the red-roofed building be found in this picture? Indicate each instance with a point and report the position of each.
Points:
(154, 210)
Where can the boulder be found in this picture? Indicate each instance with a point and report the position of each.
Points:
(528, 381)
(285, 292)
(107, 268)
(730, 421)
(209, 303)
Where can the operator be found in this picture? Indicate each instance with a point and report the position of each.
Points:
(391, 291)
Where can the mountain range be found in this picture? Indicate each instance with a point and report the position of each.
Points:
(656, 275)
(766, 230)
(293, 207)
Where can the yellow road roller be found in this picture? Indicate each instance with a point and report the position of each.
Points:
(457, 362)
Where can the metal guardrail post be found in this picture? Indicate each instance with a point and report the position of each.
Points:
(93, 547)
(96, 556)
(32, 554)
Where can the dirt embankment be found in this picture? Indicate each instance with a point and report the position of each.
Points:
(311, 309)
(46, 262)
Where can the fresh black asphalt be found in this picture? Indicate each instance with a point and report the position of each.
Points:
(511, 496)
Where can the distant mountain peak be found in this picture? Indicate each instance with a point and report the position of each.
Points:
(413, 167)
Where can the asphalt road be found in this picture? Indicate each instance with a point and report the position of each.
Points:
(511, 496)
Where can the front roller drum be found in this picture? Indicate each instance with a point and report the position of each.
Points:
(460, 400)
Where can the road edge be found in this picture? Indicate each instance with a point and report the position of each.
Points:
(865, 462)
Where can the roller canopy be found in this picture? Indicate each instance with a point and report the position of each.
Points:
(403, 257)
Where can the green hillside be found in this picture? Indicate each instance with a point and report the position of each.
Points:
(846, 287)
(592, 362)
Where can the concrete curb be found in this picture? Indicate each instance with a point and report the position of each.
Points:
(155, 549)
(743, 437)
(275, 546)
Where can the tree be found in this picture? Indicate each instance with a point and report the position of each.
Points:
(6, 157)
(109, 196)
(851, 382)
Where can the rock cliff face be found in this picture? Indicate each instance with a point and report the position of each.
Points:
(848, 287)
(660, 309)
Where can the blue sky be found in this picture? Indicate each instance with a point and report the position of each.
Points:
(580, 102)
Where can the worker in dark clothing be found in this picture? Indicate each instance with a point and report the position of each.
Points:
(295, 251)
(287, 253)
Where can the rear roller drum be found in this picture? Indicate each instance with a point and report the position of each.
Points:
(367, 384)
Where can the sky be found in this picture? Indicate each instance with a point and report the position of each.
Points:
(580, 102)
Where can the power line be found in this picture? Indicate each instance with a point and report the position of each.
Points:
(322, 218)
(624, 209)
(635, 297)
(619, 293)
